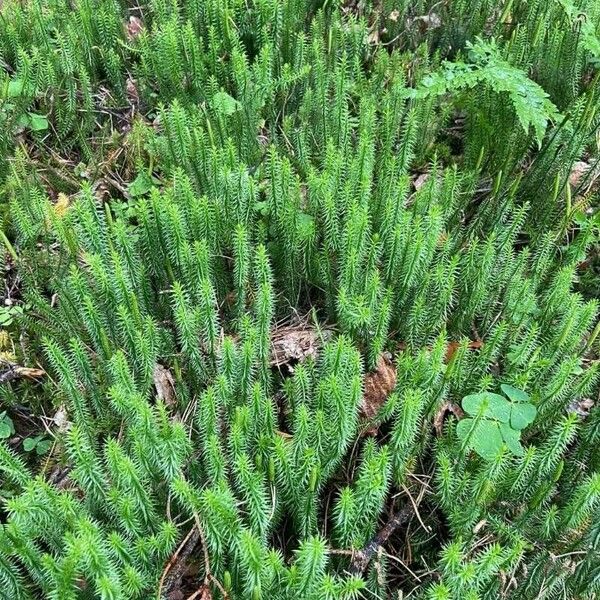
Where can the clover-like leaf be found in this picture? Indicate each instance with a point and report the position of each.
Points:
(7, 427)
(512, 439)
(464, 427)
(522, 415)
(492, 406)
(141, 185)
(37, 122)
(33, 121)
(483, 436)
(5, 430)
(514, 394)
(522, 412)
(487, 439)
(30, 443)
(15, 88)
(42, 447)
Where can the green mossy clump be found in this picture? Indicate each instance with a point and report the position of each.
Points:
(300, 300)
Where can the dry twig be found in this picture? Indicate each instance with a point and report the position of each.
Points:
(10, 371)
(362, 558)
(174, 569)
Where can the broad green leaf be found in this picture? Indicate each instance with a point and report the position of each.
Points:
(15, 88)
(512, 439)
(5, 430)
(531, 103)
(141, 185)
(463, 428)
(514, 394)
(42, 447)
(9, 421)
(486, 440)
(223, 103)
(493, 406)
(29, 444)
(37, 122)
(522, 415)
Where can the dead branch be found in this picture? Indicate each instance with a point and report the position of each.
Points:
(12, 371)
(175, 568)
(362, 558)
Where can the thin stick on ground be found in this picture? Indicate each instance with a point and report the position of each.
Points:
(173, 571)
(208, 573)
(363, 557)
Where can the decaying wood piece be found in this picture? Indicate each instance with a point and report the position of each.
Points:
(203, 593)
(361, 559)
(10, 371)
(177, 564)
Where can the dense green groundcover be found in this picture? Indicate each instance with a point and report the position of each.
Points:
(299, 299)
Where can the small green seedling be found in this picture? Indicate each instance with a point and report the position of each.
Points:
(142, 184)
(33, 121)
(224, 104)
(9, 313)
(38, 443)
(7, 427)
(495, 420)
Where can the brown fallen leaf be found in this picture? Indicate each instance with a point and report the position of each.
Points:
(454, 346)
(582, 173)
(59, 477)
(581, 407)
(378, 385)
(425, 22)
(132, 91)
(164, 384)
(134, 27)
(447, 407)
(291, 344)
(373, 37)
